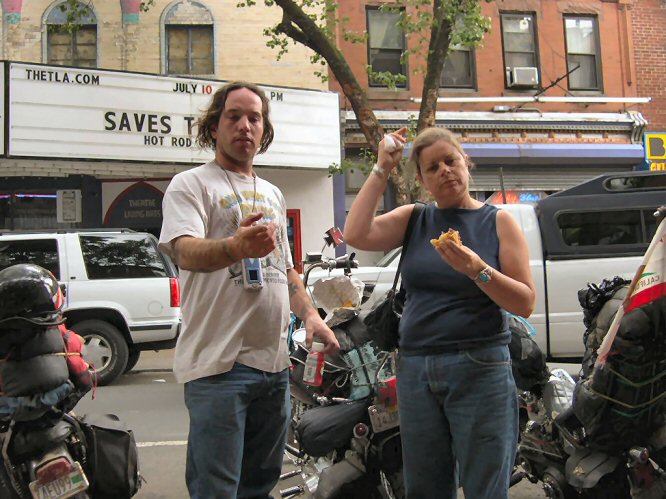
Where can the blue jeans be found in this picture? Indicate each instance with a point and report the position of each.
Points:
(458, 408)
(238, 432)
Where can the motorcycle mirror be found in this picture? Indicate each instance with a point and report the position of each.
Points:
(312, 257)
(333, 237)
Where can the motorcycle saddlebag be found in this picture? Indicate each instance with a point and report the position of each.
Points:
(324, 429)
(528, 363)
(113, 459)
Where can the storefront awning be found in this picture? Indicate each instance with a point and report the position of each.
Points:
(555, 154)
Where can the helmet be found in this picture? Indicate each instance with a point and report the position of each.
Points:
(29, 293)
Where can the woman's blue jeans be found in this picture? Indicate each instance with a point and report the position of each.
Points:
(458, 408)
(238, 432)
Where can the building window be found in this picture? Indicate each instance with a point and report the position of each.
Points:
(386, 44)
(583, 59)
(71, 47)
(459, 70)
(520, 52)
(188, 33)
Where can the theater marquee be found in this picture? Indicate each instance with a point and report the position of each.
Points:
(60, 112)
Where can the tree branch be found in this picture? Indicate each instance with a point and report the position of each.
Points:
(287, 28)
(312, 36)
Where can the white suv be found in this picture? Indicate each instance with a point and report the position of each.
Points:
(121, 293)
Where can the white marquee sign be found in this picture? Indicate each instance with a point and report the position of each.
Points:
(59, 112)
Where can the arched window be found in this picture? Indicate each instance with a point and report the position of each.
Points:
(71, 36)
(188, 35)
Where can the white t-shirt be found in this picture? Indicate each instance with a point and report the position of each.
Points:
(223, 322)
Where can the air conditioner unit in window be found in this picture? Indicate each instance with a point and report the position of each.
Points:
(522, 77)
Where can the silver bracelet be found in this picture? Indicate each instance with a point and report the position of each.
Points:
(380, 172)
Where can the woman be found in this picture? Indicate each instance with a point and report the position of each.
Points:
(456, 393)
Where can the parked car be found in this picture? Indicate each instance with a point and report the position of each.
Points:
(596, 230)
(122, 294)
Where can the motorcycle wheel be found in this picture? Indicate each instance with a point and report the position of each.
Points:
(555, 485)
(392, 485)
(6, 489)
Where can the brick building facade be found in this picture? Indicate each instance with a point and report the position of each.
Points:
(516, 102)
(648, 21)
(130, 40)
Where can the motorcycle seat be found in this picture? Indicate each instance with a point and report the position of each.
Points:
(29, 441)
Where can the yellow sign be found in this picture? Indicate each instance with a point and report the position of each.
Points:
(655, 147)
(658, 167)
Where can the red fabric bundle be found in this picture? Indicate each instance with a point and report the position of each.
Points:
(79, 369)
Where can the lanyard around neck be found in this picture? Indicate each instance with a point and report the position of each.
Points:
(238, 198)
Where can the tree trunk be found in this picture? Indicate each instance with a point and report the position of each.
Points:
(437, 50)
(301, 28)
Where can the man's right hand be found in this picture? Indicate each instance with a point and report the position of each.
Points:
(253, 240)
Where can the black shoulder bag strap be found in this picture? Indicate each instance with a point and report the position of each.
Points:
(418, 208)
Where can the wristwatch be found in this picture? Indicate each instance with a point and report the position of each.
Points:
(486, 275)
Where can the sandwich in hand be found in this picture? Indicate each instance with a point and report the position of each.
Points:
(452, 235)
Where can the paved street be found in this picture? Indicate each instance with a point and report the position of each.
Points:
(150, 401)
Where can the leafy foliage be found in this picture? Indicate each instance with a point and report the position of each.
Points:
(77, 11)
(430, 27)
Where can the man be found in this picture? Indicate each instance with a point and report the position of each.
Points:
(232, 353)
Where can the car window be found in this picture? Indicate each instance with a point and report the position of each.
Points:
(43, 252)
(121, 256)
(389, 258)
(603, 228)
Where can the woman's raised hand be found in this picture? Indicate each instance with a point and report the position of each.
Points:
(390, 149)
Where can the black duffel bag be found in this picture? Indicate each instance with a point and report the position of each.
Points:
(113, 459)
(324, 429)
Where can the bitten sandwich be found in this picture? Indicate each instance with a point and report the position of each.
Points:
(451, 234)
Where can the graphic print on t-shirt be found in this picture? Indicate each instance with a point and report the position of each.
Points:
(273, 265)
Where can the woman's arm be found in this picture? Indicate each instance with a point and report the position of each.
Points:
(363, 229)
(513, 288)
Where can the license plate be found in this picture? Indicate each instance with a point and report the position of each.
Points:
(60, 488)
(383, 418)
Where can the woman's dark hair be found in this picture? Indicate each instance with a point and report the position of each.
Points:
(211, 117)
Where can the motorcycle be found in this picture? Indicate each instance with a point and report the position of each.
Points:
(46, 451)
(345, 437)
(604, 435)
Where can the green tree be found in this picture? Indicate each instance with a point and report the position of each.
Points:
(431, 27)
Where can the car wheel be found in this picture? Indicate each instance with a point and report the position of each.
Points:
(105, 348)
(134, 354)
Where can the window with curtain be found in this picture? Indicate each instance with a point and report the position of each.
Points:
(459, 69)
(71, 47)
(583, 59)
(518, 42)
(188, 31)
(386, 43)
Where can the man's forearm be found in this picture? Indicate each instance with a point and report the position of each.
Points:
(205, 255)
(300, 302)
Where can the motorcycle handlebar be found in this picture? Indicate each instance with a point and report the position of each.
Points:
(346, 262)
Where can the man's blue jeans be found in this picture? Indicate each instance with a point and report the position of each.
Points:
(238, 432)
(458, 407)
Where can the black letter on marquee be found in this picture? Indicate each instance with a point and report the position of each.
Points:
(657, 147)
(108, 117)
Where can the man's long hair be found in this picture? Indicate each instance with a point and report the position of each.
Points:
(211, 116)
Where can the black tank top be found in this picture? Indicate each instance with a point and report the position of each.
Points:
(445, 310)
